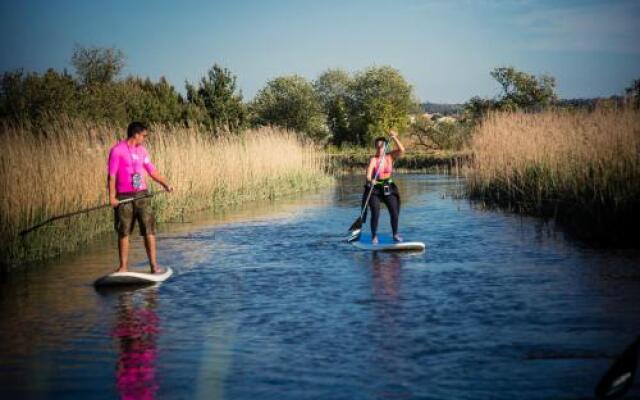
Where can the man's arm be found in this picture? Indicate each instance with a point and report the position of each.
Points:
(112, 169)
(161, 180)
(154, 174)
(111, 183)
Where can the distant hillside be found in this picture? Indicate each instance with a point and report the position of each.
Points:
(442, 108)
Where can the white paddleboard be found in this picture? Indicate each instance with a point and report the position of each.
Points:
(386, 243)
(132, 278)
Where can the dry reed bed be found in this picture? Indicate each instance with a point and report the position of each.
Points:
(581, 167)
(65, 170)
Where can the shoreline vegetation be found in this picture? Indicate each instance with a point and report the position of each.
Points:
(526, 150)
(581, 168)
(435, 161)
(65, 170)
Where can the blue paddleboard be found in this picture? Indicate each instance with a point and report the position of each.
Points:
(386, 243)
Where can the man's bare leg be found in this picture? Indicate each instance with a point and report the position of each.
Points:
(150, 245)
(123, 253)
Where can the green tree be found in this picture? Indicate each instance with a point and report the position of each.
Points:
(218, 94)
(524, 91)
(151, 102)
(37, 97)
(107, 103)
(291, 102)
(95, 96)
(333, 89)
(520, 91)
(442, 134)
(97, 65)
(477, 107)
(380, 99)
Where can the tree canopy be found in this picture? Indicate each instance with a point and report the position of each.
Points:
(218, 94)
(97, 65)
(290, 102)
(520, 91)
(346, 108)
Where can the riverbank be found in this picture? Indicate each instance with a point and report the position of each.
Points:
(580, 168)
(46, 175)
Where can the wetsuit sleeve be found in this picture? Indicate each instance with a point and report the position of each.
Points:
(147, 164)
(114, 162)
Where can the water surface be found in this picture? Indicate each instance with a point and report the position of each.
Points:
(267, 302)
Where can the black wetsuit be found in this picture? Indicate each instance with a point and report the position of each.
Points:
(390, 197)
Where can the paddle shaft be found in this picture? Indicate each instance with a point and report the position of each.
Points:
(86, 210)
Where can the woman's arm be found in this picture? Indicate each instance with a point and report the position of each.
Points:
(399, 151)
(370, 168)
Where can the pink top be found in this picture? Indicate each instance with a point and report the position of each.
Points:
(124, 161)
(387, 166)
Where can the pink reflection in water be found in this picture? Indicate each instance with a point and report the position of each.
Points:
(136, 330)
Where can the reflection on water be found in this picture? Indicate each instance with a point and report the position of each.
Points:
(270, 302)
(386, 270)
(136, 331)
(386, 275)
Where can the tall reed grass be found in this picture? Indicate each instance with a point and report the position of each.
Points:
(64, 169)
(581, 167)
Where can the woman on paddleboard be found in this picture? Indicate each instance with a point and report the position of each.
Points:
(384, 190)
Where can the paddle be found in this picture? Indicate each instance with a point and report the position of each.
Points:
(357, 224)
(86, 210)
(619, 378)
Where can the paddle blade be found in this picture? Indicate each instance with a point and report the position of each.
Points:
(355, 235)
(357, 225)
(619, 378)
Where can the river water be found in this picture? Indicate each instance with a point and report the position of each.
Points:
(267, 302)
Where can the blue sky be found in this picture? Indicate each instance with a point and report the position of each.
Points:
(445, 49)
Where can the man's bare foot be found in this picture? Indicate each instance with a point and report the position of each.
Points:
(122, 269)
(374, 240)
(397, 238)
(157, 270)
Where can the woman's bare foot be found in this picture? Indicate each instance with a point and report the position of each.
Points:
(122, 269)
(374, 240)
(397, 238)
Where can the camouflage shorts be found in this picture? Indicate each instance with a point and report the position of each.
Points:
(126, 215)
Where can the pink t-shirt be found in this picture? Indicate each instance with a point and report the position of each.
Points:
(124, 161)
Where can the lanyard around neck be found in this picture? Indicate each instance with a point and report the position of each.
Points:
(133, 164)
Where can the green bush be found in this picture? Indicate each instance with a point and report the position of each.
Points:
(520, 92)
(443, 134)
(94, 95)
(290, 102)
(218, 94)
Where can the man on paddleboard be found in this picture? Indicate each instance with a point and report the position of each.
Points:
(128, 164)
